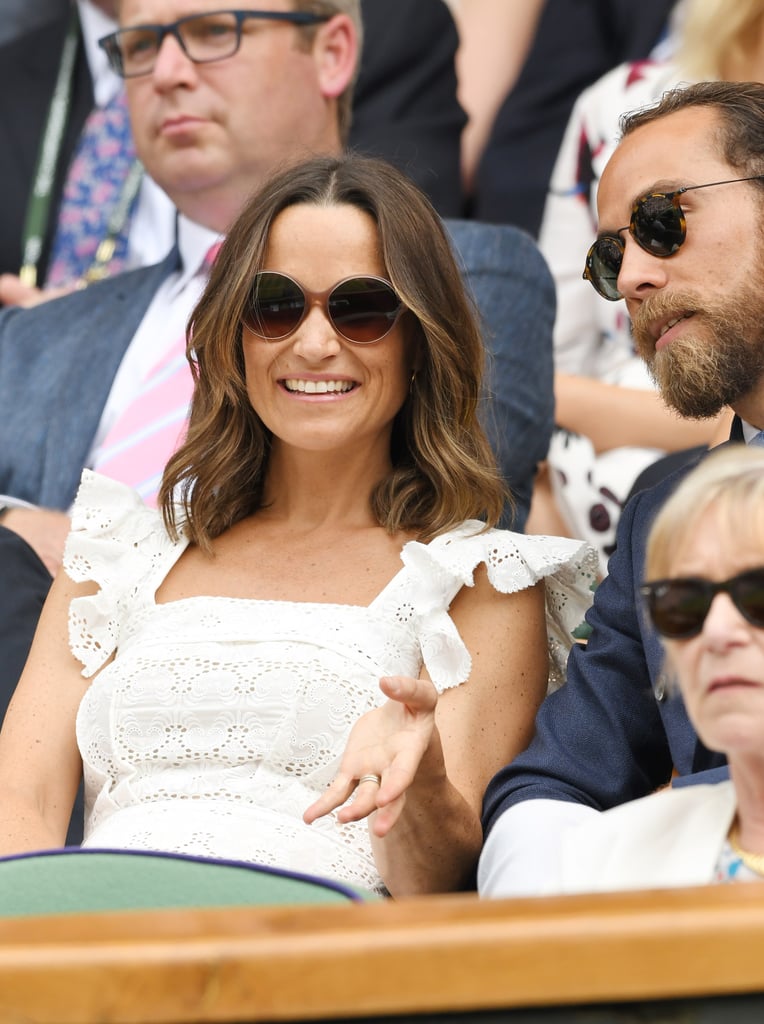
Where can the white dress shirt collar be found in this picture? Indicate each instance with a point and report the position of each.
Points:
(748, 431)
(194, 240)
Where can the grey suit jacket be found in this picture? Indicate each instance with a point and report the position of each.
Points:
(57, 366)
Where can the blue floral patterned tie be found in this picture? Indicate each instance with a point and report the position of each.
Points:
(97, 175)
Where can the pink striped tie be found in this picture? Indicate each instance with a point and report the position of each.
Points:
(151, 428)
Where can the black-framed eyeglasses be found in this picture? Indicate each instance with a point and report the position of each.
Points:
(203, 38)
(678, 607)
(361, 309)
(657, 225)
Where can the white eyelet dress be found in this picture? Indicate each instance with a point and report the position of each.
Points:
(220, 720)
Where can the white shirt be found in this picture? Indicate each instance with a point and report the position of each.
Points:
(749, 432)
(522, 855)
(164, 321)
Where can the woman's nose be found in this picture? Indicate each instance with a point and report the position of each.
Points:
(316, 337)
(724, 622)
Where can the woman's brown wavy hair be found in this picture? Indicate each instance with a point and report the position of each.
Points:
(443, 468)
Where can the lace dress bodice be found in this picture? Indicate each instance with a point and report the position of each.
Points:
(219, 720)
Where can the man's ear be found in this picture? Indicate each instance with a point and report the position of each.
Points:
(337, 53)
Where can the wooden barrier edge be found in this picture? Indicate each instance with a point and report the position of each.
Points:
(433, 954)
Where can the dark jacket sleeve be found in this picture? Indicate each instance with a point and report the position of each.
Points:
(615, 730)
(576, 42)
(28, 68)
(405, 107)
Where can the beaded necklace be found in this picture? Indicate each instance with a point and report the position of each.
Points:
(754, 861)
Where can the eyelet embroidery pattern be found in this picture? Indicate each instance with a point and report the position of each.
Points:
(220, 720)
(514, 562)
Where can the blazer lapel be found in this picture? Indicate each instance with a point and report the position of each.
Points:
(100, 333)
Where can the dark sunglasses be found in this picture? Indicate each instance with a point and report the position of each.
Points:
(678, 607)
(657, 225)
(361, 309)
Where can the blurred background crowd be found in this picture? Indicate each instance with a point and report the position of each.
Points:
(505, 113)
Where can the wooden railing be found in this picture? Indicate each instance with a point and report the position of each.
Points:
(432, 955)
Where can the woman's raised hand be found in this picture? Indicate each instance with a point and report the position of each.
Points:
(383, 754)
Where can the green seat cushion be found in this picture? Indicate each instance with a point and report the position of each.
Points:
(78, 881)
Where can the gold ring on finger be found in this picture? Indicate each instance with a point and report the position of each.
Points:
(370, 778)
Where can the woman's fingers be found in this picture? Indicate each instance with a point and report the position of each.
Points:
(363, 789)
(387, 816)
(382, 757)
(364, 800)
(335, 795)
(419, 695)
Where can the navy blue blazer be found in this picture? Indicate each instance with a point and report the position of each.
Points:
(576, 41)
(405, 107)
(613, 732)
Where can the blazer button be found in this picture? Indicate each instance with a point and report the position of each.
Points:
(661, 685)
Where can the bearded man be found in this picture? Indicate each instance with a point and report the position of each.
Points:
(680, 208)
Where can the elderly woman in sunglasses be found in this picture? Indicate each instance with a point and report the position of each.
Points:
(319, 650)
(705, 597)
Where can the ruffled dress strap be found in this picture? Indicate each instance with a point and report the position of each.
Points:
(120, 544)
(439, 570)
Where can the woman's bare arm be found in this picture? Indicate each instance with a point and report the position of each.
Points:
(436, 755)
(494, 39)
(40, 766)
(612, 416)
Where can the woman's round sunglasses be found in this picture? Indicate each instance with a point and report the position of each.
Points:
(657, 225)
(361, 309)
(678, 607)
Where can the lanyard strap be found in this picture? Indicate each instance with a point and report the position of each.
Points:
(40, 199)
(38, 207)
(116, 224)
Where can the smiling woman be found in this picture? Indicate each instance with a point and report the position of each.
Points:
(320, 650)
(346, 343)
(325, 222)
(705, 598)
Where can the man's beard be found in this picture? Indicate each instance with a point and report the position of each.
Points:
(719, 358)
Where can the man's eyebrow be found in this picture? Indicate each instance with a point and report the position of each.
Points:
(661, 187)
